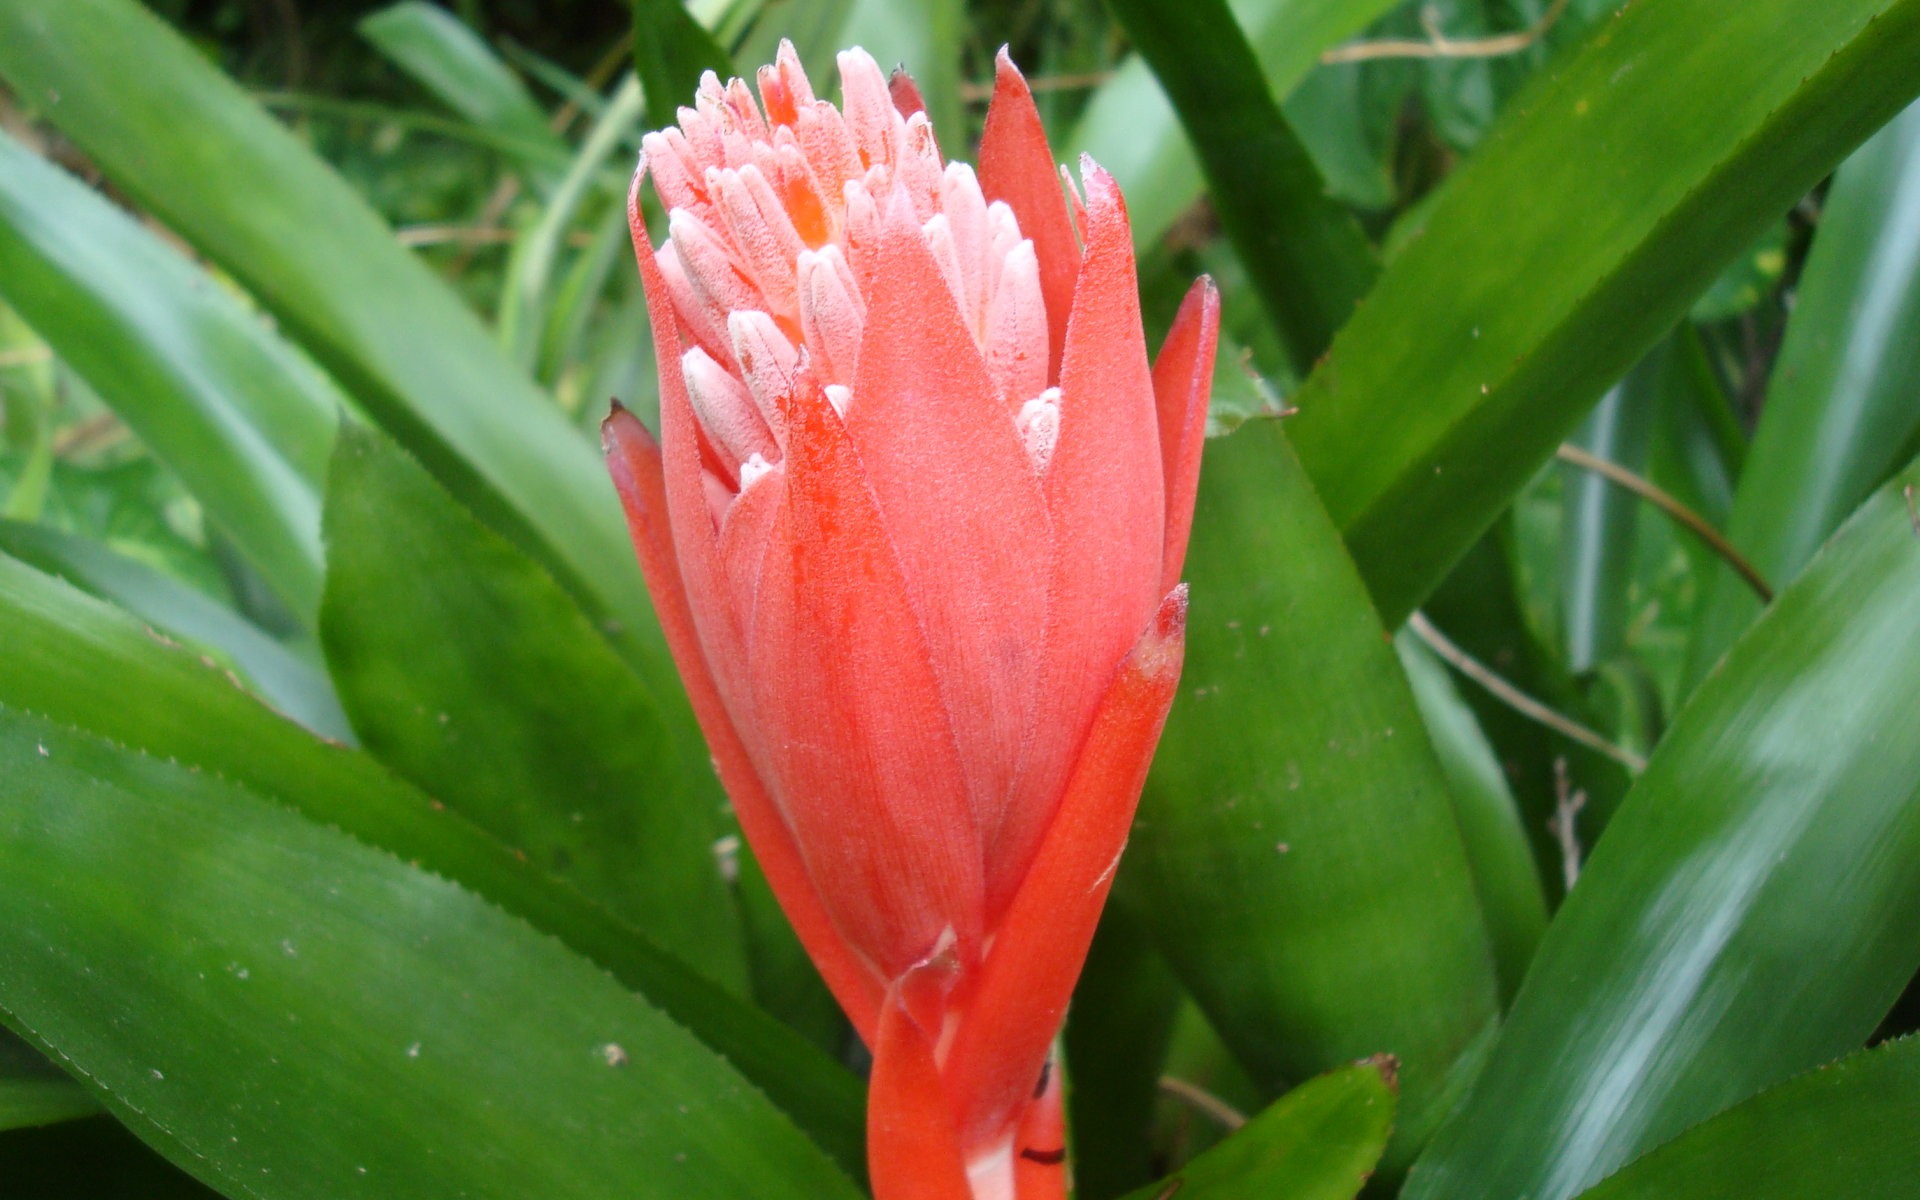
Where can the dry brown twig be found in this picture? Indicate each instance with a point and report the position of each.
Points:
(1228, 1117)
(1516, 699)
(1564, 823)
(95, 433)
(1663, 500)
(25, 356)
(1439, 45)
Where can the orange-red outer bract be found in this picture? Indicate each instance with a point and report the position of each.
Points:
(913, 527)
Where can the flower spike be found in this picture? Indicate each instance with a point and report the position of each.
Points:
(912, 527)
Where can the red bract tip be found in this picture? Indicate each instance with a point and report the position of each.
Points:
(906, 93)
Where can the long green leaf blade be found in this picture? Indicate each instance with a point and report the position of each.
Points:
(1119, 1029)
(1306, 255)
(528, 291)
(208, 387)
(1600, 520)
(1650, 158)
(287, 1013)
(1752, 909)
(1304, 874)
(1841, 403)
(468, 670)
(1491, 828)
(1845, 1130)
(76, 660)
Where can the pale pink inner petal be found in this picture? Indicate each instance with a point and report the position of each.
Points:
(774, 209)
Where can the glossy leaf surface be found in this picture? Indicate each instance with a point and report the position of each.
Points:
(75, 660)
(1649, 158)
(245, 421)
(1318, 1142)
(1305, 877)
(1843, 1130)
(1491, 828)
(1751, 910)
(1842, 402)
(467, 669)
(1600, 520)
(221, 970)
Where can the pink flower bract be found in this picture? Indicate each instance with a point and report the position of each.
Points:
(913, 527)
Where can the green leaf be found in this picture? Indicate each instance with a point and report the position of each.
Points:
(1841, 402)
(1318, 1142)
(1598, 520)
(1647, 160)
(1119, 1028)
(785, 983)
(1131, 130)
(1699, 446)
(76, 660)
(1844, 1130)
(1348, 119)
(1479, 608)
(1504, 875)
(670, 51)
(1747, 279)
(286, 1012)
(467, 669)
(528, 291)
(452, 61)
(576, 320)
(194, 150)
(29, 1102)
(282, 679)
(1308, 258)
(35, 1092)
(1296, 854)
(243, 420)
(26, 416)
(1751, 910)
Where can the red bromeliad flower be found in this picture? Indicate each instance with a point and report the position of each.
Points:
(914, 529)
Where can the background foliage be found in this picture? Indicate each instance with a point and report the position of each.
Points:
(1520, 831)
